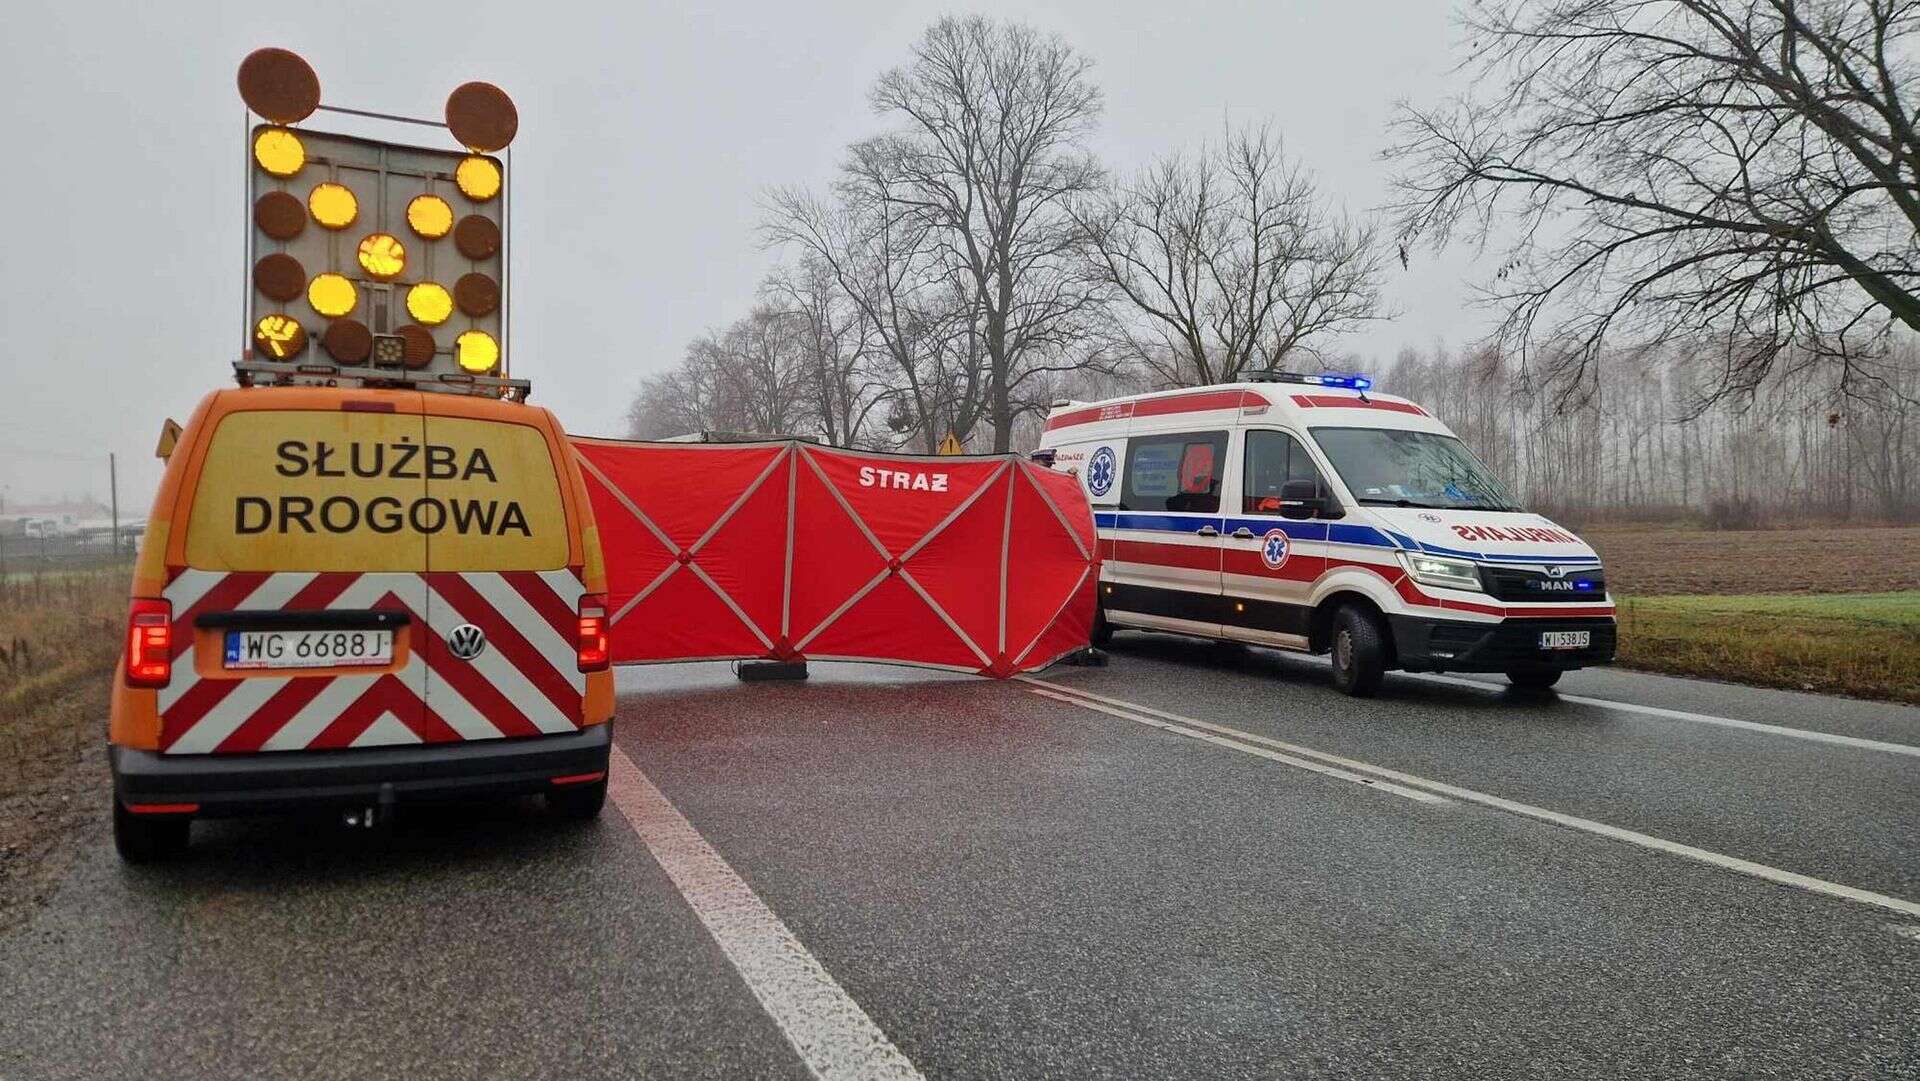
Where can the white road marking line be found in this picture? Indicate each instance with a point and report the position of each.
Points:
(1262, 752)
(835, 1038)
(1697, 718)
(1585, 825)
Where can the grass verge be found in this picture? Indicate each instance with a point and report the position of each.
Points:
(59, 638)
(1861, 644)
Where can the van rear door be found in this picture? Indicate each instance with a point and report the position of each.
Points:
(504, 592)
(298, 598)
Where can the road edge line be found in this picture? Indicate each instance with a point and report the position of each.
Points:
(834, 1037)
(1778, 876)
(1373, 783)
(1807, 734)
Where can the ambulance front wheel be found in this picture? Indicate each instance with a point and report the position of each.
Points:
(578, 802)
(1359, 651)
(1533, 679)
(149, 838)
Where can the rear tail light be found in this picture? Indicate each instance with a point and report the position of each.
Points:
(592, 634)
(149, 643)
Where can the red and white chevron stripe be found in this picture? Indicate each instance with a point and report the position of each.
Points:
(526, 682)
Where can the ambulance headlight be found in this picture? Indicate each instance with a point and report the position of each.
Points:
(1441, 572)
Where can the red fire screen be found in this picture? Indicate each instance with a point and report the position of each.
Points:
(790, 551)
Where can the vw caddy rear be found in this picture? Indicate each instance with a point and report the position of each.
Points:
(357, 598)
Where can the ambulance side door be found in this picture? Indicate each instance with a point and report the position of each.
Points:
(1271, 562)
(1165, 560)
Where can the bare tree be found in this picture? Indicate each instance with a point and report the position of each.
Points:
(1738, 176)
(1230, 260)
(989, 154)
(919, 319)
(830, 334)
(751, 377)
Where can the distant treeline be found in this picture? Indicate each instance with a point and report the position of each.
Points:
(1652, 441)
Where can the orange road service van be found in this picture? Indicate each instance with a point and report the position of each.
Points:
(1305, 512)
(355, 597)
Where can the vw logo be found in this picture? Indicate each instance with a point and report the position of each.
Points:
(1556, 572)
(466, 641)
(1100, 471)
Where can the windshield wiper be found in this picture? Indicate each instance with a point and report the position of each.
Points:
(1404, 503)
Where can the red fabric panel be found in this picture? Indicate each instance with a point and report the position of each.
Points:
(864, 531)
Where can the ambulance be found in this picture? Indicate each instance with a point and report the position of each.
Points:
(1307, 512)
(356, 598)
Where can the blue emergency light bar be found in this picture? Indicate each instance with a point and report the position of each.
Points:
(1348, 382)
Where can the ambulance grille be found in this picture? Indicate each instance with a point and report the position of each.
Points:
(1517, 584)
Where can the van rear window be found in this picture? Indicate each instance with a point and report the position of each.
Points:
(374, 492)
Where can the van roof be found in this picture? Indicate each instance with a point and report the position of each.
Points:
(1293, 401)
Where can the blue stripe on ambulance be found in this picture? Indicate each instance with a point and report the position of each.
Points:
(1332, 532)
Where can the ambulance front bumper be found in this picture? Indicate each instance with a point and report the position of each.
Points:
(1424, 644)
(235, 785)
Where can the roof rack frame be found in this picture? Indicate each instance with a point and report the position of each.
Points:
(248, 373)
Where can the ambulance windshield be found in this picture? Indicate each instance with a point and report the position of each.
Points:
(1389, 467)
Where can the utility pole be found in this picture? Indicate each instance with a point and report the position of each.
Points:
(113, 495)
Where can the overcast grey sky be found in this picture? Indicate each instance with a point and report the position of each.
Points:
(647, 133)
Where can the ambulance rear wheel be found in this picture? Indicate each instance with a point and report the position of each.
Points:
(1359, 652)
(578, 802)
(149, 838)
(1533, 679)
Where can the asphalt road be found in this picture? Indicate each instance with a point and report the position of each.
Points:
(1218, 868)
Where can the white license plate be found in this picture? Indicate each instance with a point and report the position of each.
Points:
(1565, 639)
(308, 649)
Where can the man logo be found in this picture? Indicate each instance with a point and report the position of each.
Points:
(1556, 572)
(466, 641)
(1100, 471)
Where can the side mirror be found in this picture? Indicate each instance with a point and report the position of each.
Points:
(1299, 499)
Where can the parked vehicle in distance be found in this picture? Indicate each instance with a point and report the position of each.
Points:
(1305, 512)
(352, 598)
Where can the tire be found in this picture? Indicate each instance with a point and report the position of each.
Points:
(1102, 630)
(149, 838)
(1359, 652)
(1534, 679)
(580, 803)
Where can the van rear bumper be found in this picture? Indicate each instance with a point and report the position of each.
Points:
(1423, 644)
(235, 785)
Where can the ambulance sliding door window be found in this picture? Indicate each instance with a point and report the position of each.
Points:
(1273, 458)
(1174, 473)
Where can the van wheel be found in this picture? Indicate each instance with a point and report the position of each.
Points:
(1359, 652)
(578, 802)
(1102, 630)
(1533, 679)
(149, 838)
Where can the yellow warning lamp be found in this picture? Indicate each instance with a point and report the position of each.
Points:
(382, 255)
(333, 205)
(430, 216)
(429, 303)
(279, 152)
(476, 352)
(478, 178)
(332, 295)
(278, 337)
